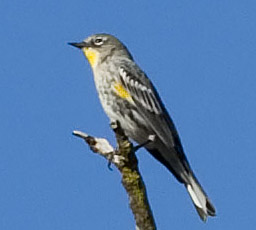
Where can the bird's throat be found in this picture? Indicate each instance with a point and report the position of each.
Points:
(92, 56)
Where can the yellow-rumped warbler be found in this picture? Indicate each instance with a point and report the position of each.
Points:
(127, 95)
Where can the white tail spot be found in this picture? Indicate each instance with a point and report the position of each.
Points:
(194, 196)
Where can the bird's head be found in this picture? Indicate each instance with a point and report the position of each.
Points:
(98, 47)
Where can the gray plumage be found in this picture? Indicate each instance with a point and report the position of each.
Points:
(142, 112)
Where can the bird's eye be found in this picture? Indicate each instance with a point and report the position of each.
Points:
(98, 41)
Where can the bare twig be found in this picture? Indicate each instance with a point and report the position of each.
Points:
(126, 162)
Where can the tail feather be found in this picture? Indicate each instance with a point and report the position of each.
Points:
(183, 173)
(201, 202)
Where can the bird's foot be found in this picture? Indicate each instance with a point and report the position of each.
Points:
(151, 138)
(110, 162)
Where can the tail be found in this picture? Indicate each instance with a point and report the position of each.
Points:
(197, 194)
(201, 202)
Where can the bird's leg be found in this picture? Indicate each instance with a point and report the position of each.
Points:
(151, 138)
(110, 162)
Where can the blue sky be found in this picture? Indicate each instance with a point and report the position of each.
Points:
(201, 57)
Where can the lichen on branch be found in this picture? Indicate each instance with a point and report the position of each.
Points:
(125, 160)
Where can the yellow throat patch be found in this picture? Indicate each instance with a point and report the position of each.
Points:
(92, 56)
(122, 92)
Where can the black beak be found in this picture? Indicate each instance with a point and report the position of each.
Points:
(79, 45)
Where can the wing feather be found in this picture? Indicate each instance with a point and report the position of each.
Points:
(141, 93)
(151, 108)
(150, 105)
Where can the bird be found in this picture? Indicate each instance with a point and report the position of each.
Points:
(128, 96)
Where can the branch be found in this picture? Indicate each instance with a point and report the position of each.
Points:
(125, 160)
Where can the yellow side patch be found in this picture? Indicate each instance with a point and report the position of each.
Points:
(92, 56)
(122, 92)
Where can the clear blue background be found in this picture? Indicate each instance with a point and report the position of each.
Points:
(201, 57)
